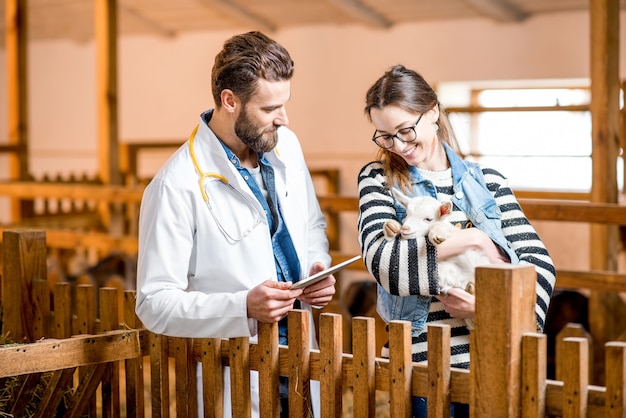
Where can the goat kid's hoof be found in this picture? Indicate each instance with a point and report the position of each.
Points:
(391, 229)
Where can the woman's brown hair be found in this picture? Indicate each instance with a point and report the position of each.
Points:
(407, 89)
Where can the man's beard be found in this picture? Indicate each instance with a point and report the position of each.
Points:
(249, 134)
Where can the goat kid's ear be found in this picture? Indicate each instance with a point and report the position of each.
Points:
(400, 197)
(445, 209)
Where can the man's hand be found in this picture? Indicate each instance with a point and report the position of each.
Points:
(320, 293)
(271, 301)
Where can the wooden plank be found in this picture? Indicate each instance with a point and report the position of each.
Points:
(299, 364)
(534, 353)
(109, 320)
(547, 210)
(615, 380)
(331, 350)
(598, 280)
(41, 306)
(334, 203)
(570, 330)
(364, 353)
(24, 260)
(104, 243)
(62, 310)
(106, 90)
(58, 385)
(85, 322)
(16, 53)
(135, 403)
(535, 209)
(73, 191)
(52, 354)
(505, 310)
(159, 376)
(213, 377)
(575, 377)
(268, 370)
(551, 195)
(185, 377)
(482, 109)
(24, 387)
(605, 102)
(240, 377)
(400, 370)
(86, 390)
(439, 370)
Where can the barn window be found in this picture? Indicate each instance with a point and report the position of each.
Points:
(539, 137)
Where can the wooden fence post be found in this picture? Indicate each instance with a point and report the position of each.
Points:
(505, 301)
(331, 346)
(535, 352)
(159, 376)
(615, 379)
(24, 260)
(400, 370)
(212, 377)
(439, 370)
(299, 364)
(239, 357)
(269, 370)
(364, 354)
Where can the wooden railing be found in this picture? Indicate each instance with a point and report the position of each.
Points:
(507, 377)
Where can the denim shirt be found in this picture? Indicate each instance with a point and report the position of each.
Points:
(476, 201)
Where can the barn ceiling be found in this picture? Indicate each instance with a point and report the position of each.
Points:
(74, 19)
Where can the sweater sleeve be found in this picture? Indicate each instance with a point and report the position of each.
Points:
(524, 241)
(402, 267)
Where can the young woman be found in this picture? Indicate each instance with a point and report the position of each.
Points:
(418, 155)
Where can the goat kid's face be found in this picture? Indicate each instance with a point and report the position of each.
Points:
(421, 213)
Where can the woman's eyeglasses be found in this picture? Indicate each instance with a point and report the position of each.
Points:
(405, 135)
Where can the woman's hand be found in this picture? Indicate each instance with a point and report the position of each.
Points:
(462, 240)
(458, 303)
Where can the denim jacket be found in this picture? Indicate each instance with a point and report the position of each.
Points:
(476, 201)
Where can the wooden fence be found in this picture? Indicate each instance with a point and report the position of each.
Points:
(100, 369)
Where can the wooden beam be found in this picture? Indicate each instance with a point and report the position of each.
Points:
(573, 211)
(17, 93)
(605, 245)
(107, 108)
(484, 109)
(362, 13)
(81, 350)
(596, 280)
(239, 13)
(106, 67)
(108, 193)
(498, 10)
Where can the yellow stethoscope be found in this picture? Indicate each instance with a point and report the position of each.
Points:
(226, 182)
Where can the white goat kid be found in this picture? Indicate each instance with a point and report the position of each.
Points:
(425, 216)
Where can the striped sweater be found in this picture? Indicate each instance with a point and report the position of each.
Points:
(388, 262)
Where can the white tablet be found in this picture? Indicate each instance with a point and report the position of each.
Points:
(324, 274)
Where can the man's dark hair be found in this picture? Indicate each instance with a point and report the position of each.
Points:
(244, 60)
